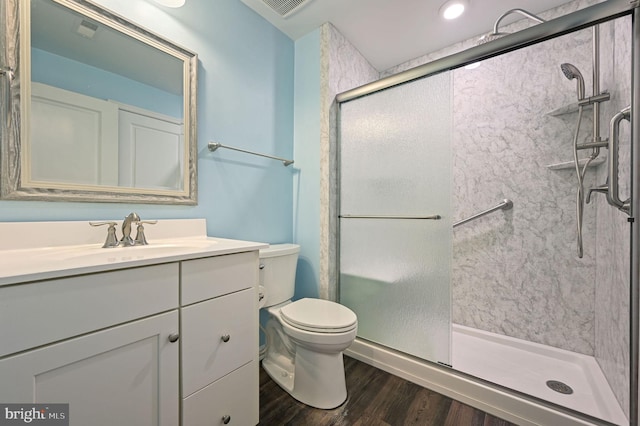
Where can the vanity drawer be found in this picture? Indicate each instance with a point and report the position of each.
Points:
(217, 336)
(214, 276)
(235, 395)
(47, 311)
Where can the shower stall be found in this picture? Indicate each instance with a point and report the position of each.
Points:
(461, 195)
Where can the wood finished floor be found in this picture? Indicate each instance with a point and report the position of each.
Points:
(374, 398)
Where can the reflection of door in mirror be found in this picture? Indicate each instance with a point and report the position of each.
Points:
(98, 142)
(73, 138)
(150, 150)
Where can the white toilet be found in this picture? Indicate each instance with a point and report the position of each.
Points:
(305, 338)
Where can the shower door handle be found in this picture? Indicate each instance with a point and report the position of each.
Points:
(613, 194)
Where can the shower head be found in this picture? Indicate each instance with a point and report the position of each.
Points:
(571, 72)
(495, 34)
(490, 37)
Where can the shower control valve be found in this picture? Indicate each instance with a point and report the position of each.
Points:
(603, 189)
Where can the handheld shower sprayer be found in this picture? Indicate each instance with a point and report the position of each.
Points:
(596, 142)
(571, 72)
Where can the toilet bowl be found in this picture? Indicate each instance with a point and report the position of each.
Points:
(305, 338)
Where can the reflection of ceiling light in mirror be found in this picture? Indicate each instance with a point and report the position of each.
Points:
(453, 9)
(171, 3)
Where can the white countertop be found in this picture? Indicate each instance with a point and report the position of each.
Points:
(33, 251)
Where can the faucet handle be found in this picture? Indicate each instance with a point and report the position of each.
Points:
(600, 188)
(112, 240)
(140, 238)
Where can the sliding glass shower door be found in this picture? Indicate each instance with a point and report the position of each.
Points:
(395, 216)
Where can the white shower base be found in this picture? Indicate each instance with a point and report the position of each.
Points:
(525, 366)
(513, 363)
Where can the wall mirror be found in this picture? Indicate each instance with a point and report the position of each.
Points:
(95, 108)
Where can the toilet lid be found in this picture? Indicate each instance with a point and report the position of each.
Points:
(319, 315)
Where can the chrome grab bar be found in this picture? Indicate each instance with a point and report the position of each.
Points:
(506, 204)
(613, 194)
(353, 216)
(215, 145)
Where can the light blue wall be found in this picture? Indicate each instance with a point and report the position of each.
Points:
(306, 200)
(245, 99)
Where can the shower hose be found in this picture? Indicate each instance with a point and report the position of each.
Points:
(580, 173)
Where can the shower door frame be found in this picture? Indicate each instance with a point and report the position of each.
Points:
(581, 19)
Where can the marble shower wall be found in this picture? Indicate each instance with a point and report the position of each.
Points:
(516, 272)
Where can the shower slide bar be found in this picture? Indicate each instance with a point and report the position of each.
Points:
(506, 204)
(215, 145)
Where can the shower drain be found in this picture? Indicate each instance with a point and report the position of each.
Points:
(559, 387)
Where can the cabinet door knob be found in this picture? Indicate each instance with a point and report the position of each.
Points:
(225, 338)
(173, 337)
(226, 419)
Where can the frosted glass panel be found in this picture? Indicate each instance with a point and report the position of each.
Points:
(395, 159)
(395, 277)
(394, 149)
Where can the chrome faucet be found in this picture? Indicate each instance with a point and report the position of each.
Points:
(126, 239)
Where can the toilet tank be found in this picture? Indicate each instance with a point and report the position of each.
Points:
(278, 276)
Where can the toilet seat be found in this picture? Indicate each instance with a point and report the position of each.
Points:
(320, 316)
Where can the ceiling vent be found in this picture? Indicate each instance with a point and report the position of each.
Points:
(87, 29)
(285, 8)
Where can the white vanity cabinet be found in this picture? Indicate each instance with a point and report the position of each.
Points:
(219, 340)
(100, 342)
(157, 335)
(123, 375)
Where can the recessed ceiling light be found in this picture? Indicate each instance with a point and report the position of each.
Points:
(171, 3)
(453, 9)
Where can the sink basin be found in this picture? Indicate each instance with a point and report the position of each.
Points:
(95, 253)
